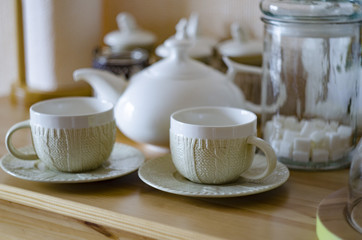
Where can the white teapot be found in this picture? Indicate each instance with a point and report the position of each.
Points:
(144, 104)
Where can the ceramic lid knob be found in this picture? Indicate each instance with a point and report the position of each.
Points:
(201, 46)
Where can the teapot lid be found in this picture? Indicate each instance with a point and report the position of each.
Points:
(202, 46)
(240, 44)
(129, 34)
(178, 65)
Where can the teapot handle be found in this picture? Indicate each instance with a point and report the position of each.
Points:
(234, 68)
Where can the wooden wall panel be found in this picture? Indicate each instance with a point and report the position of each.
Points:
(8, 46)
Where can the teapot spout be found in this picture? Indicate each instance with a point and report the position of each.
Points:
(106, 86)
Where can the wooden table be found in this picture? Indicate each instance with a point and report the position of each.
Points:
(127, 208)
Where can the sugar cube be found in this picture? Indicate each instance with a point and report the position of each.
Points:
(334, 140)
(333, 125)
(344, 130)
(345, 133)
(319, 140)
(319, 155)
(308, 129)
(285, 149)
(301, 144)
(279, 118)
(291, 123)
(290, 135)
(300, 156)
(319, 123)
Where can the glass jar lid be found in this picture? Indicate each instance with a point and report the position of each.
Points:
(338, 11)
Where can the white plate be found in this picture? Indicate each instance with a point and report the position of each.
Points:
(161, 174)
(124, 159)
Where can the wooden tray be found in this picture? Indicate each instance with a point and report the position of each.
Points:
(331, 221)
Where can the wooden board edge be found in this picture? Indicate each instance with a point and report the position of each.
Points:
(96, 215)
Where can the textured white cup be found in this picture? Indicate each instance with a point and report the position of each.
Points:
(73, 134)
(215, 145)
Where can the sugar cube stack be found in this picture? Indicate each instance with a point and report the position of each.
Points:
(314, 140)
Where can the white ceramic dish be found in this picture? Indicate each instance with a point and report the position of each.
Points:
(124, 159)
(161, 174)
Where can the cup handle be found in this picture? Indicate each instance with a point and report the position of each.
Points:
(9, 145)
(271, 158)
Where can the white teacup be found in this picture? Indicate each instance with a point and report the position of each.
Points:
(73, 134)
(216, 145)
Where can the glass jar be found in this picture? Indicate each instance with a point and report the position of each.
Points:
(353, 209)
(311, 66)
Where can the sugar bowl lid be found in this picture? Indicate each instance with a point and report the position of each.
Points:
(240, 44)
(129, 34)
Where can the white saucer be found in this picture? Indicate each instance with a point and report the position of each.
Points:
(161, 174)
(124, 159)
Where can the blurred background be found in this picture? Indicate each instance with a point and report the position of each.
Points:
(157, 16)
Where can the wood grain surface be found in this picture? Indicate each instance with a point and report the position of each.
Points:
(126, 208)
(331, 218)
